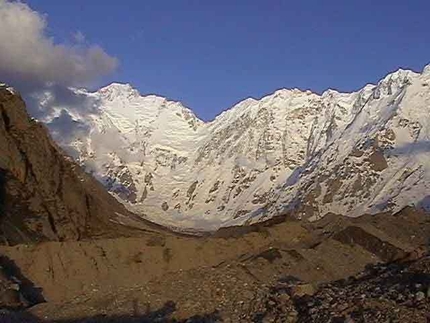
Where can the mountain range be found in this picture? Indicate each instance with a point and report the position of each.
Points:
(71, 252)
(291, 152)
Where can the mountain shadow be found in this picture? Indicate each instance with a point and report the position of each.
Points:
(418, 147)
(10, 272)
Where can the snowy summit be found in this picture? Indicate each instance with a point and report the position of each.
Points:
(345, 153)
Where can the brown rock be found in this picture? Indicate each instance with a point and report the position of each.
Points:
(303, 289)
(165, 206)
(10, 298)
(377, 161)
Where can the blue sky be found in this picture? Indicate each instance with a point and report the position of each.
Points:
(212, 54)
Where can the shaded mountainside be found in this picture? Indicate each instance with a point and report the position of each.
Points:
(43, 194)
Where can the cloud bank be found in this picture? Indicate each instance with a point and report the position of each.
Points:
(29, 57)
(47, 73)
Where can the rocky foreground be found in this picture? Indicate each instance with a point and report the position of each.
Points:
(395, 292)
(371, 269)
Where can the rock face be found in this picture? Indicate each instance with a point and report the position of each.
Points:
(345, 153)
(44, 195)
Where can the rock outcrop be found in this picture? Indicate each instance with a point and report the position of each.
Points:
(44, 195)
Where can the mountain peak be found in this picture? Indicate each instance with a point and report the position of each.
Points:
(118, 86)
(399, 75)
(115, 90)
(330, 92)
(426, 69)
(284, 92)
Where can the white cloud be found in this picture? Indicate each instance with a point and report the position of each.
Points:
(29, 56)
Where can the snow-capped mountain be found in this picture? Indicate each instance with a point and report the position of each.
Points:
(347, 153)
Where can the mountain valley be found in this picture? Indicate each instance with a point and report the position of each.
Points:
(214, 162)
(71, 252)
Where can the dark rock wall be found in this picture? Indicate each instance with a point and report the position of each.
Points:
(43, 194)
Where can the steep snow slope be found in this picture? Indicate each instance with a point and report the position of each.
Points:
(380, 161)
(348, 153)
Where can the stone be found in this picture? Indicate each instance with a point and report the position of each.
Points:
(10, 298)
(302, 290)
(420, 296)
(283, 298)
(14, 286)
